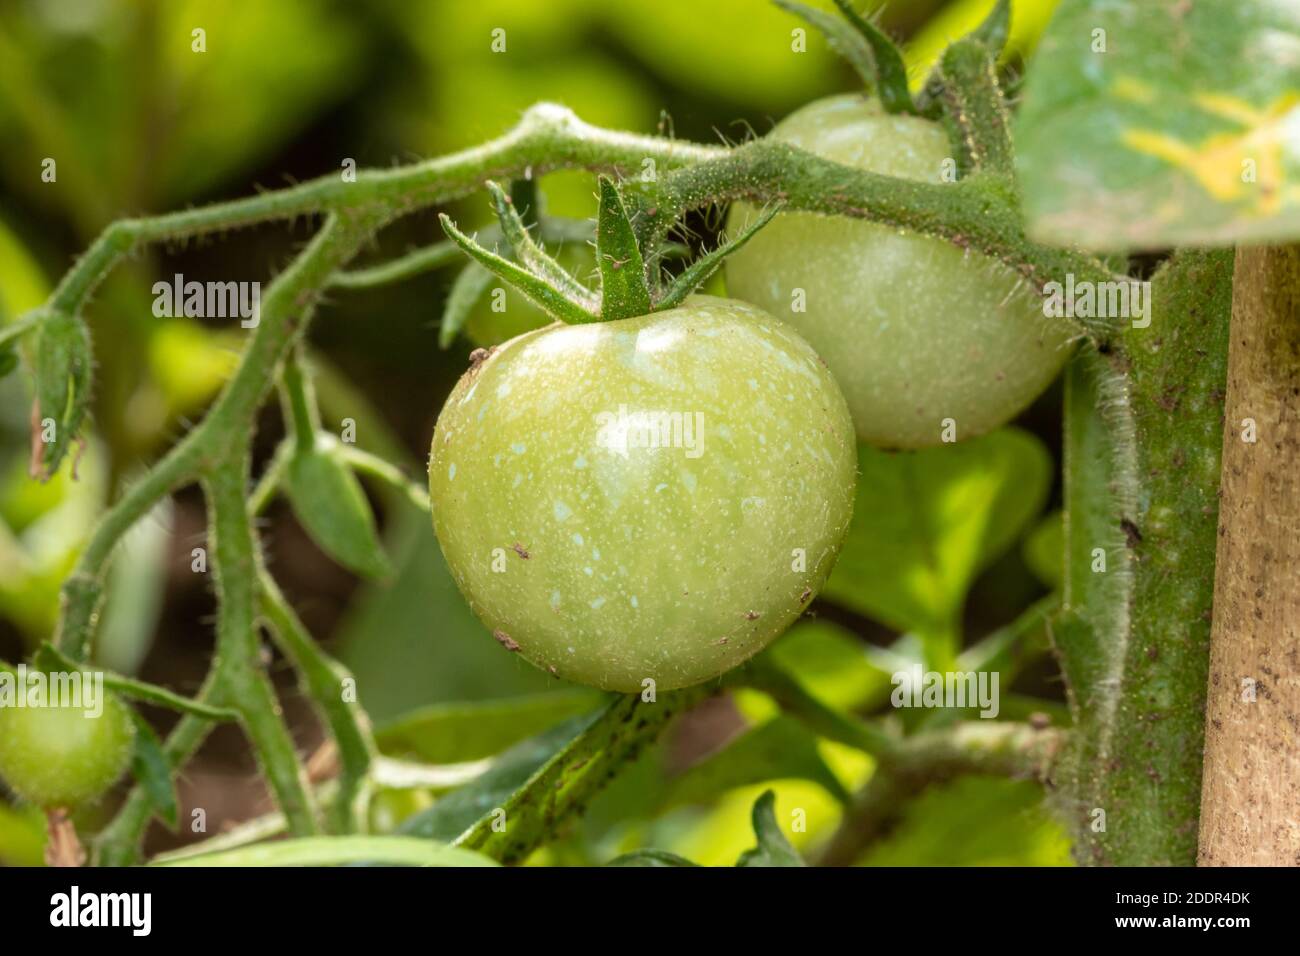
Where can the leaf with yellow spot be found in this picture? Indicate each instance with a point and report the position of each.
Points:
(1150, 124)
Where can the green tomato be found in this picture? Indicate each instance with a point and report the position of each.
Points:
(655, 498)
(915, 329)
(64, 756)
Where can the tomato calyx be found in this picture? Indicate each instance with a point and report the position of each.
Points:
(626, 289)
(878, 60)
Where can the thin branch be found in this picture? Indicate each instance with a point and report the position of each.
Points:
(369, 464)
(977, 214)
(974, 106)
(248, 689)
(548, 137)
(996, 749)
(327, 681)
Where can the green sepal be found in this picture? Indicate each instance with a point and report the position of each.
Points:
(624, 292)
(843, 39)
(698, 271)
(530, 255)
(330, 504)
(153, 771)
(551, 300)
(63, 364)
(890, 70)
(773, 848)
(468, 286)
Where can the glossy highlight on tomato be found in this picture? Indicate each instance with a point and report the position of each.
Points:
(653, 498)
(916, 330)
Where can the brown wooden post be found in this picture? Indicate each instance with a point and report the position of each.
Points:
(1250, 803)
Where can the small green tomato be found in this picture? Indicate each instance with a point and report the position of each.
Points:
(63, 756)
(653, 498)
(915, 329)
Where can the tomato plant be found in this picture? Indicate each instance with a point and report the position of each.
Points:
(643, 490)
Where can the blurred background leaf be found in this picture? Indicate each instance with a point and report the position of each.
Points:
(925, 523)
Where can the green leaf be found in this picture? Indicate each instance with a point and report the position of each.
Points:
(552, 300)
(340, 850)
(694, 275)
(63, 370)
(890, 70)
(842, 37)
(573, 776)
(926, 523)
(8, 361)
(778, 749)
(976, 821)
(650, 858)
(532, 256)
(458, 731)
(470, 284)
(330, 504)
(1178, 133)
(624, 293)
(457, 812)
(773, 849)
(153, 771)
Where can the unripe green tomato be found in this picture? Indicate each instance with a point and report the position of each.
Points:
(915, 329)
(608, 561)
(63, 756)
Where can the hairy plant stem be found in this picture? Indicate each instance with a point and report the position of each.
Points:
(979, 213)
(299, 402)
(327, 682)
(975, 108)
(1142, 450)
(246, 685)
